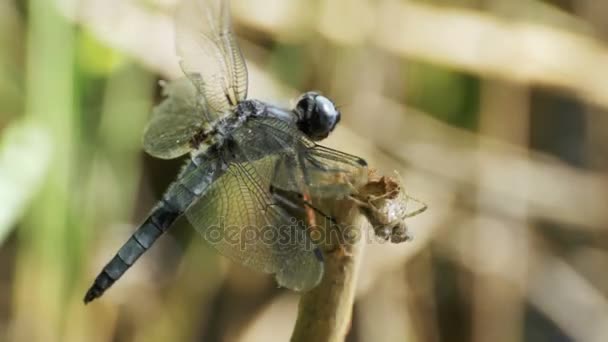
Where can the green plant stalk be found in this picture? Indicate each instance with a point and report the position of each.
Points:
(41, 269)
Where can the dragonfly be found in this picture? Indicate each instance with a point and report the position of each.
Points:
(245, 159)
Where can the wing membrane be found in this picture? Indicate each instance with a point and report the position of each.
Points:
(238, 217)
(302, 165)
(174, 121)
(210, 55)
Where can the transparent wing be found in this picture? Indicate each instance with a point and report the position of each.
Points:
(238, 217)
(328, 172)
(210, 56)
(174, 121)
(302, 165)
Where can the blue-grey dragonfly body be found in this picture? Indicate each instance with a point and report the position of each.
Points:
(241, 150)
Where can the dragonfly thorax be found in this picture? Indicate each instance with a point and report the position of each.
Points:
(218, 132)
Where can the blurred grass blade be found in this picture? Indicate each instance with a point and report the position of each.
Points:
(24, 159)
(49, 234)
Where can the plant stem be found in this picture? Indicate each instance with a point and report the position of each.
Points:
(325, 312)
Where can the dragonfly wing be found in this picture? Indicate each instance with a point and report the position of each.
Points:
(239, 217)
(302, 165)
(328, 172)
(174, 121)
(210, 56)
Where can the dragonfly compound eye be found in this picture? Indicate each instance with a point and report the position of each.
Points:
(317, 115)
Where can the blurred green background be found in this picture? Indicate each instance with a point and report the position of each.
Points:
(492, 111)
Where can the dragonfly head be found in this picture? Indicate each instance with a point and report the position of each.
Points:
(317, 115)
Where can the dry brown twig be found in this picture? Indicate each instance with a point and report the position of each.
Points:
(324, 313)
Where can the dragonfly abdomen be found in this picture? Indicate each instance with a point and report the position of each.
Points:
(190, 186)
(161, 218)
